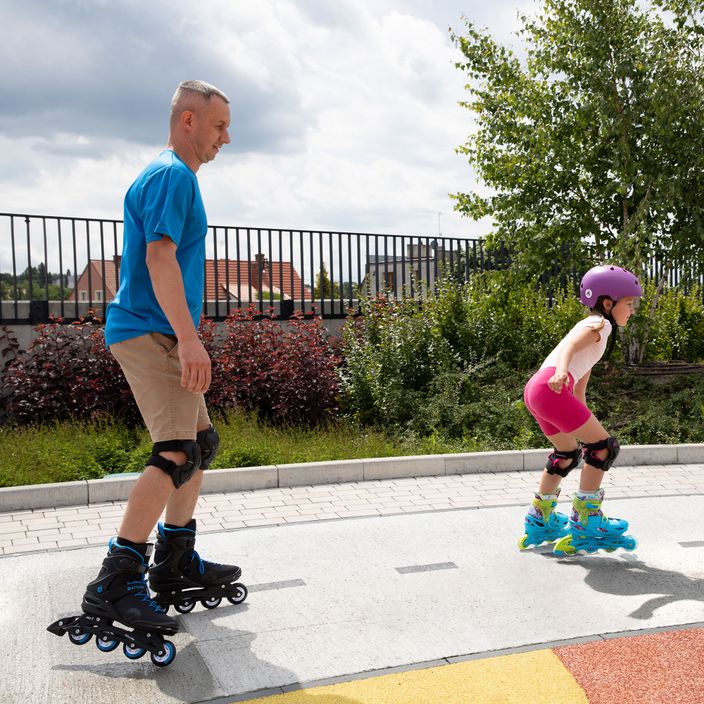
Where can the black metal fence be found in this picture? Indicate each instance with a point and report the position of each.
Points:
(65, 267)
(68, 268)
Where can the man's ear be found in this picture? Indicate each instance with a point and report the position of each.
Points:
(187, 119)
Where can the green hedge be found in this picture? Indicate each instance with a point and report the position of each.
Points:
(477, 413)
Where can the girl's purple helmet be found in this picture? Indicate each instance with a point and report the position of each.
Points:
(608, 280)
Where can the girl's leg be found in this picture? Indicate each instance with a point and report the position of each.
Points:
(591, 477)
(564, 442)
(543, 523)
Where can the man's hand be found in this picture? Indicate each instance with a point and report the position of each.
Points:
(195, 365)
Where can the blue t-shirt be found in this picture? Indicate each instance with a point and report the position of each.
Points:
(163, 200)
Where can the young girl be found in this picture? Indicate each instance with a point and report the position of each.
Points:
(555, 396)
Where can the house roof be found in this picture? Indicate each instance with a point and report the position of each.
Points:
(231, 275)
(235, 275)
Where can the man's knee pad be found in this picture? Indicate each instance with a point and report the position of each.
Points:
(554, 459)
(589, 450)
(208, 440)
(179, 473)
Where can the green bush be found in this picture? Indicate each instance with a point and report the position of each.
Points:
(391, 356)
(677, 329)
(401, 357)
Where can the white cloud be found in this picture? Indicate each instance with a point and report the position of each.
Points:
(345, 114)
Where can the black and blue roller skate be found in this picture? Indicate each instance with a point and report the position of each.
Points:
(119, 594)
(543, 524)
(590, 530)
(180, 577)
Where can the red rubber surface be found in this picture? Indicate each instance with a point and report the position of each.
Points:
(662, 668)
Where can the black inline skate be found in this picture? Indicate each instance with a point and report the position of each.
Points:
(120, 593)
(180, 577)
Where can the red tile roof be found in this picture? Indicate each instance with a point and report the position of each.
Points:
(237, 275)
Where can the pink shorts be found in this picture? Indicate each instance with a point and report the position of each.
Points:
(555, 413)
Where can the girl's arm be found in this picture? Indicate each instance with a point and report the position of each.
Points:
(580, 389)
(585, 337)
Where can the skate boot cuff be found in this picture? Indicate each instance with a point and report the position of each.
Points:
(120, 545)
(166, 528)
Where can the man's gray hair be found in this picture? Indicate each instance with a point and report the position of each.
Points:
(190, 93)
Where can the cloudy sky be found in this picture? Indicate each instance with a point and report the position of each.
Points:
(344, 112)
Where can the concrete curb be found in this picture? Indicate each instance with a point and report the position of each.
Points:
(117, 488)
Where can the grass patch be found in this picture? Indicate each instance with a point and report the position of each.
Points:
(70, 451)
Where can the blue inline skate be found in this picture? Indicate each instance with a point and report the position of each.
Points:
(590, 530)
(543, 524)
(119, 593)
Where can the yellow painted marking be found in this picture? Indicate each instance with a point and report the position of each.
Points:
(537, 676)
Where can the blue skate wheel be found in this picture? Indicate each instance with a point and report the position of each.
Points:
(106, 644)
(185, 606)
(133, 652)
(166, 656)
(78, 637)
(239, 596)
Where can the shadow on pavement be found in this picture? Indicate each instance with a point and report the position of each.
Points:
(190, 679)
(629, 578)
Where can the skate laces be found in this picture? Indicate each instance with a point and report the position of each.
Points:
(139, 588)
(202, 563)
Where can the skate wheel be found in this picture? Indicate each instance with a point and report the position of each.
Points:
(564, 547)
(106, 644)
(185, 606)
(78, 637)
(630, 543)
(240, 595)
(166, 656)
(522, 543)
(212, 603)
(133, 652)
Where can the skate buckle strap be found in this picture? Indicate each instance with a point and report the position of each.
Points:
(127, 564)
(545, 506)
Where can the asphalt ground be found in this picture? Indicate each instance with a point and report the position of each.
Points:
(434, 602)
(345, 603)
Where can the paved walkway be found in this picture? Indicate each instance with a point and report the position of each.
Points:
(334, 600)
(46, 529)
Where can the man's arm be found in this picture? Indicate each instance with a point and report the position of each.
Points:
(167, 282)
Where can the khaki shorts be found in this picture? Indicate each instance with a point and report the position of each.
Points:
(152, 368)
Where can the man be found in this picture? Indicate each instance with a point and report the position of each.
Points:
(151, 329)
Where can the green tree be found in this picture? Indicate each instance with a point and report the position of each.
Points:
(594, 144)
(323, 287)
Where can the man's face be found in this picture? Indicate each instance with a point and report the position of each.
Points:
(210, 124)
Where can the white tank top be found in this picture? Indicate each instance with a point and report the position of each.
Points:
(582, 360)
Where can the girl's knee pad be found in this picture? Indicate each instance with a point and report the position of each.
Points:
(555, 457)
(589, 450)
